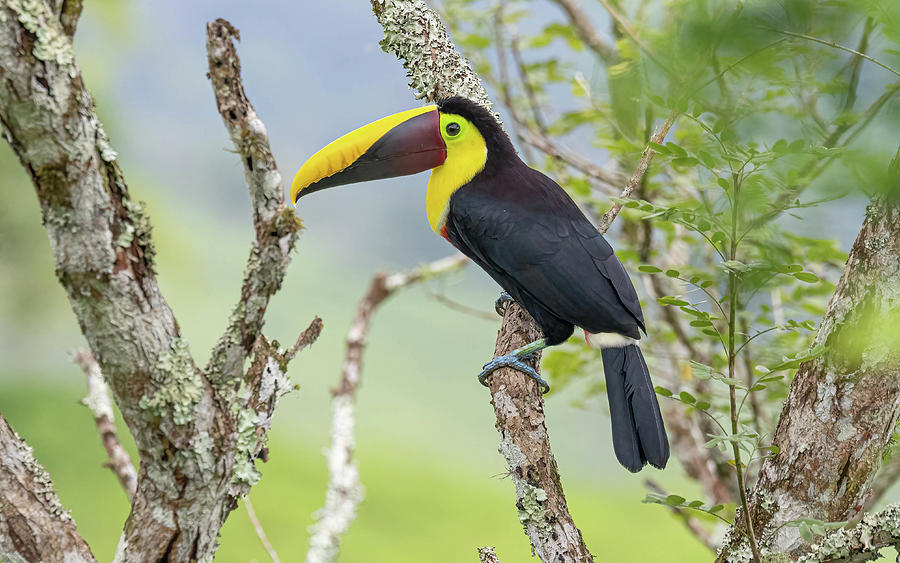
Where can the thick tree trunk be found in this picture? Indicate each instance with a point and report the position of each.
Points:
(33, 524)
(843, 406)
(196, 437)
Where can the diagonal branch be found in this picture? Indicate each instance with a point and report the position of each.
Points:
(344, 491)
(587, 32)
(275, 224)
(646, 156)
(34, 526)
(101, 408)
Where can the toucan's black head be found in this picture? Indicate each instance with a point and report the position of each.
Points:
(499, 147)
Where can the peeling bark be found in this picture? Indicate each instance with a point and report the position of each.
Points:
(843, 406)
(33, 524)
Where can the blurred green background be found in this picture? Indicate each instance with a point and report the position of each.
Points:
(426, 444)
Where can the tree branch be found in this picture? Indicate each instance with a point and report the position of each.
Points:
(345, 491)
(34, 526)
(586, 31)
(276, 225)
(197, 442)
(487, 555)
(859, 543)
(646, 156)
(101, 408)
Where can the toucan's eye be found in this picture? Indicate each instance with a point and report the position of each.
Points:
(452, 129)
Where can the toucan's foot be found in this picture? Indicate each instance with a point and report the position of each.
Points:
(515, 362)
(502, 302)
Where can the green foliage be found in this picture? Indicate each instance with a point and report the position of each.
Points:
(774, 127)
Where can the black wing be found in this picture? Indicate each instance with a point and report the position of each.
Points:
(525, 231)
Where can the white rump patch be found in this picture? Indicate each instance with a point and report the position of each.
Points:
(608, 340)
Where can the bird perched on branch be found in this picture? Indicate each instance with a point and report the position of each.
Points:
(526, 233)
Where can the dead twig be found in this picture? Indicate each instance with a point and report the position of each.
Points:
(101, 408)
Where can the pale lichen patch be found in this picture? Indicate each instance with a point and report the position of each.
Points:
(51, 44)
(43, 486)
(179, 387)
(531, 508)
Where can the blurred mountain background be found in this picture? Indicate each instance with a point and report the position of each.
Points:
(426, 444)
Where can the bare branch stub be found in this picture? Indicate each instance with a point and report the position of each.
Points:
(487, 555)
(101, 408)
(34, 526)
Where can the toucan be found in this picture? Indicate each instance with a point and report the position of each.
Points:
(526, 232)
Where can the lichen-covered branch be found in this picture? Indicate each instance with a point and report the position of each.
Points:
(276, 225)
(197, 439)
(843, 406)
(345, 491)
(34, 526)
(859, 543)
(101, 408)
(415, 34)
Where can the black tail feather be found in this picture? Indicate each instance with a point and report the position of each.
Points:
(639, 435)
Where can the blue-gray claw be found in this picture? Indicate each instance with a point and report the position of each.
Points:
(515, 362)
(501, 303)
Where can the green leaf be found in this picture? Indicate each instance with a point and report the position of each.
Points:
(780, 146)
(700, 323)
(647, 269)
(685, 161)
(674, 500)
(702, 405)
(662, 391)
(725, 184)
(758, 387)
(806, 277)
(675, 149)
(669, 300)
(673, 273)
(661, 149)
(735, 266)
(687, 398)
(717, 508)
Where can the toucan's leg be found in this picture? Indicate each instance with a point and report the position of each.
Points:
(514, 360)
(501, 303)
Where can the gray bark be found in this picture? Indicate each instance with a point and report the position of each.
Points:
(843, 406)
(198, 433)
(34, 526)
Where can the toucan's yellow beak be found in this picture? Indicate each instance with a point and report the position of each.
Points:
(404, 143)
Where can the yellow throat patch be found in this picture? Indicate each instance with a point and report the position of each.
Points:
(466, 156)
